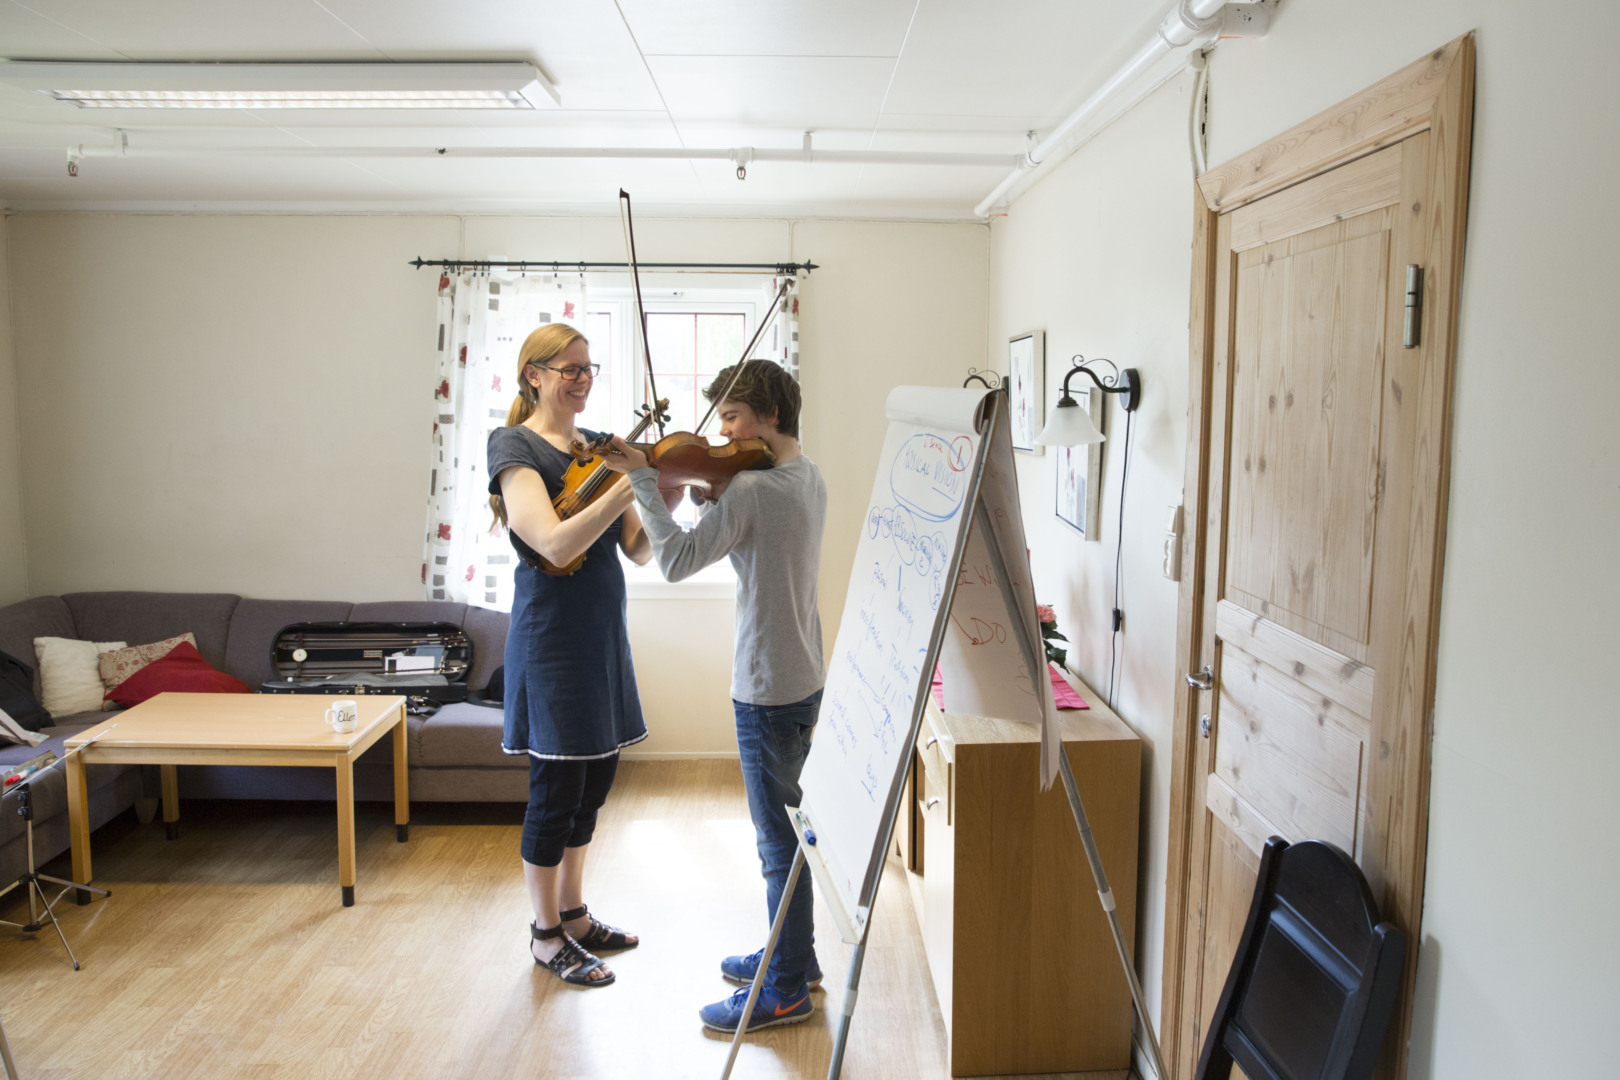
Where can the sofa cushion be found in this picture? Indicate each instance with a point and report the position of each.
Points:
(255, 624)
(409, 611)
(17, 699)
(152, 616)
(486, 629)
(182, 671)
(119, 664)
(70, 673)
(22, 622)
(464, 734)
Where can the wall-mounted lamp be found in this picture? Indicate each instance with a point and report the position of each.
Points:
(1069, 425)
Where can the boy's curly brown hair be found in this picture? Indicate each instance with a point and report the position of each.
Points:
(767, 388)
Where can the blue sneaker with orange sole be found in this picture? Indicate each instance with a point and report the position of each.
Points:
(741, 969)
(771, 1009)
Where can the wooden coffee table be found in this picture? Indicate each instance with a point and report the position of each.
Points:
(238, 729)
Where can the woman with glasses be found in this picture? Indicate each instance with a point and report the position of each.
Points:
(571, 702)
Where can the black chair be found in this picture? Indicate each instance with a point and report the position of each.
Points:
(1316, 974)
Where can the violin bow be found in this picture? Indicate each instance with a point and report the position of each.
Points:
(628, 222)
(764, 324)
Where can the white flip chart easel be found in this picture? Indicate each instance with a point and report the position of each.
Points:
(941, 575)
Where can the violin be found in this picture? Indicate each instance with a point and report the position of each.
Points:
(687, 462)
(586, 478)
(684, 462)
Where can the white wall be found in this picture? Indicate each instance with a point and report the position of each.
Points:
(241, 403)
(13, 560)
(1519, 945)
(228, 404)
(898, 304)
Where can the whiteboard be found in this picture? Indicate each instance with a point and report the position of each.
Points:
(908, 579)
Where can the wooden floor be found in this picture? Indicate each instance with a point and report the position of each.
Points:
(226, 953)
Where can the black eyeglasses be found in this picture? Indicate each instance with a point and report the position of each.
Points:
(572, 372)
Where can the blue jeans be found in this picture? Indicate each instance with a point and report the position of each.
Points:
(773, 741)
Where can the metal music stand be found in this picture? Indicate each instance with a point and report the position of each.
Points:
(41, 909)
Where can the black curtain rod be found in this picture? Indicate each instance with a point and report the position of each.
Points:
(559, 266)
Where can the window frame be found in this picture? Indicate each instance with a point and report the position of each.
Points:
(717, 581)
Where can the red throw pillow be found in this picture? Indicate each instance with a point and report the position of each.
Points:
(181, 670)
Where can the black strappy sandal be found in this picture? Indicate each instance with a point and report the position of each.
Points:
(600, 936)
(572, 964)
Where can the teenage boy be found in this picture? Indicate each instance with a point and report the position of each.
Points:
(769, 523)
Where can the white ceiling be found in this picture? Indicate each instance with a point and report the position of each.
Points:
(928, 75)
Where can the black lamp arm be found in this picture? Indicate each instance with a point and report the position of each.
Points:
(1127, 382)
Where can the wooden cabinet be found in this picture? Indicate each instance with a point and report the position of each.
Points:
(1019, 949)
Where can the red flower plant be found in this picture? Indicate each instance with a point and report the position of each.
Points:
(1049, 633)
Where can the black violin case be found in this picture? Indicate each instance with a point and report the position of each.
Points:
(426, 662)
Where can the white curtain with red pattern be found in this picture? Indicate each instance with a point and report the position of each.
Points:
(483, 319)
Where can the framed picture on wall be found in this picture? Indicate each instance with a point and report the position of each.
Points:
(1079, 473)
(1026, 382)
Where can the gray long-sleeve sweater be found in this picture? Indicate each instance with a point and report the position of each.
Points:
(769, 523)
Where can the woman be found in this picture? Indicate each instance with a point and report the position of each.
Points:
(571, 701)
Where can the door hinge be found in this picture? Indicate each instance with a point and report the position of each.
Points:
(1414, 305)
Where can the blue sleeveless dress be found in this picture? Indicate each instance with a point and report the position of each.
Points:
(570, 686)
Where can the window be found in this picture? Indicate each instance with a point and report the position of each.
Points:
(691, 334)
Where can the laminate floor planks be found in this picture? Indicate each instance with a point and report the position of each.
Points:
(226, 954)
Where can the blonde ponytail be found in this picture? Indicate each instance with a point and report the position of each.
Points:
(542, 346)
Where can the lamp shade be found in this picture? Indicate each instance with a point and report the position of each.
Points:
(1069, 425)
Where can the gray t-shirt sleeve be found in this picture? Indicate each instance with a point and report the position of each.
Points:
(683, 552)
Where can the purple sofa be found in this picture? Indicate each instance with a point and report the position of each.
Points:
(455, 754)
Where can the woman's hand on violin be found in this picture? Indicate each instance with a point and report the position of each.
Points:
(621, 457)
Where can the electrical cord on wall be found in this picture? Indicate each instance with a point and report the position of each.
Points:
(1119, 548)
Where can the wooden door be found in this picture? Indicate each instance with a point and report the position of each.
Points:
(1320, 465)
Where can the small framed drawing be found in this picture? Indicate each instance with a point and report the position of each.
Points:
(1026, 382)
(1079, 473)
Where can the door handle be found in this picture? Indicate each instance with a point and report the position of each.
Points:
(1203, 680)
(931, 803)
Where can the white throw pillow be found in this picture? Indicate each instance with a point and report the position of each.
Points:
(70, 674)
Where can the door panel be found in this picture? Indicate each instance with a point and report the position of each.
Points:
(1303, 464)
(1296, 767)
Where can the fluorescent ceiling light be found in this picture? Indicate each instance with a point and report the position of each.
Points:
(286, 86)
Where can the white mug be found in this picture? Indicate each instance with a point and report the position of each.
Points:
(341, 715)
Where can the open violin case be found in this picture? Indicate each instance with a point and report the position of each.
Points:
(426, 662)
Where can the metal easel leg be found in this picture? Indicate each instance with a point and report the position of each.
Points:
(841, 1039)
(5, 1052)
(1106, 894)
(764, 961)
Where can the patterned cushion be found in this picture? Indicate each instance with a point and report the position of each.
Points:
(120, 664)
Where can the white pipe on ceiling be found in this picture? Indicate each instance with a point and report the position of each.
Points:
(741, 155)
(1188, 23)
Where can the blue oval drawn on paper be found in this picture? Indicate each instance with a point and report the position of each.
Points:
(929, 476)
